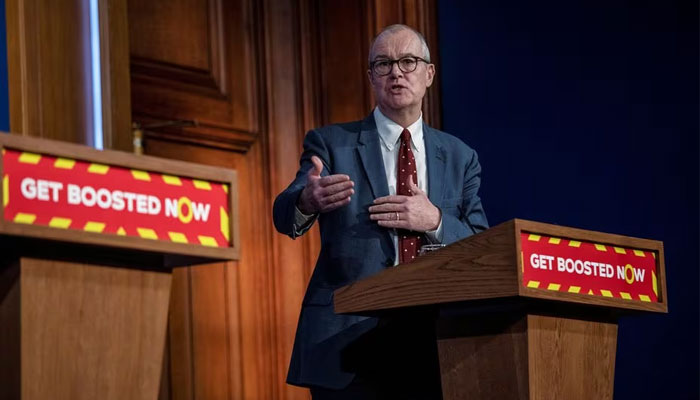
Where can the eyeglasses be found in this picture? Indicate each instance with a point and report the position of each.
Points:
(406, 64)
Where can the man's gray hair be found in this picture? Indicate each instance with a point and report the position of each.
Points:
(396, 28)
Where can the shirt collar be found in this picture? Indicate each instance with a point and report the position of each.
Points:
(389, 131)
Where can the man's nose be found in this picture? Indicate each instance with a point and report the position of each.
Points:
(395, 70)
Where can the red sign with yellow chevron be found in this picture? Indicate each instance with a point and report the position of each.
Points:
(72, 194)
(551, 263)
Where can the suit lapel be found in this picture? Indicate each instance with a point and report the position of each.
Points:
(435, 158)
(371, 156)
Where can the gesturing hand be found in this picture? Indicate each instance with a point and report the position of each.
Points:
(323, 194)
(415, 213)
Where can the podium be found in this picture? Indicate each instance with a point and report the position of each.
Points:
(88, 240)
(523, 310)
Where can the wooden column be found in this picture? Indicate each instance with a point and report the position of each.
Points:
(521, 355)
(70, 318)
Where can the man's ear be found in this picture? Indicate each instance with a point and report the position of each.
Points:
(430, 71)
(369, 76)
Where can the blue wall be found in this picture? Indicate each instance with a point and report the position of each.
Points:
(585, 114)
(4, 107)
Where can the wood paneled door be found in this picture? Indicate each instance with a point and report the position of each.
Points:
(233, 83)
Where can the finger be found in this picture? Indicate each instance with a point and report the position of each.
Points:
(337, 204)
(337, 187)
(391, 199)
(317, 167)
(415, 190)
(338, 196)
(388, 216)
(400, 224)
(332, 179)
(386, 207)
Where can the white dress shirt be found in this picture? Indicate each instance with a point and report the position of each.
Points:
(389, 138)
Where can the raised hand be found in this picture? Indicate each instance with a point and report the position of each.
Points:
(415, 212)
(323, 194)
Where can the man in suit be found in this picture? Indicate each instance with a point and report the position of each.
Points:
(379, 188)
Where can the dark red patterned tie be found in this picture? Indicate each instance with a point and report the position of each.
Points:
(408, 240)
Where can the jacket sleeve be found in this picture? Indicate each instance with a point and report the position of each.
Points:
(284, 208)
(472, 218)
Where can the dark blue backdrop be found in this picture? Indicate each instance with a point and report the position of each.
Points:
(585, 114)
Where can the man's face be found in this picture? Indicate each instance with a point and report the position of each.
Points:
(400, 90)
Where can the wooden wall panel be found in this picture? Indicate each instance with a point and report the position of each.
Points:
(252, 77)
(233, 325)
(196, 60)
(48, 69)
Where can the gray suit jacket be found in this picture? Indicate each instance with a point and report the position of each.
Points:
(354, 247)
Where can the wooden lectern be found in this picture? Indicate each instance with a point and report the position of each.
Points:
(524, 310)
(88, 240)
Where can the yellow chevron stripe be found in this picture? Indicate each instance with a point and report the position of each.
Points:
(64, 163)
(553, 286)
(225, 187)
(203, 185)
(177, 237)
(533, 284)
(590, 291)
(625, 296)
(224, 223)
(92, 226)
(100, 169)
(141, 175)
(29, 158)
(600, 247)
(644, 297)
(554, 240)
(5, 190)
(639, 253)
(172, 180)
(121, 231)
(58, 222)
(23, 218)
(207, 241)
(654, 284)
(606, 293)
(653, 255)
(574, 243)
(619, 250)
(574, 289)
(147, 233)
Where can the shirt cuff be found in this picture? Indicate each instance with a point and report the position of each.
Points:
(302, 221)
(435, 237)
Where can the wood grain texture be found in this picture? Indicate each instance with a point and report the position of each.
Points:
(480, 267)
(196, 60)
(90, 331)
(48, 69)
(116, 92)
(527, 354)
(571, 358)
(484, 357)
